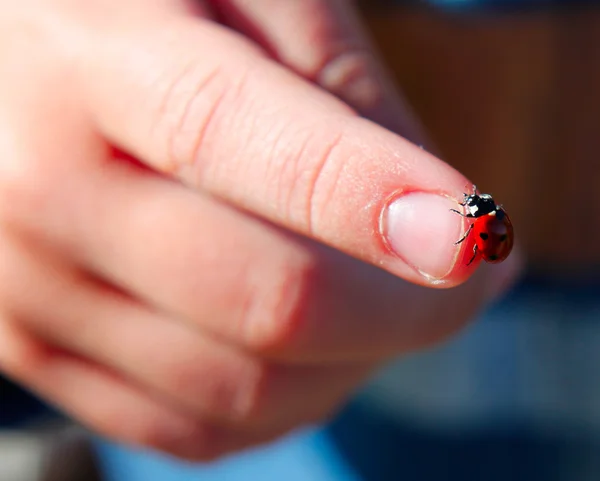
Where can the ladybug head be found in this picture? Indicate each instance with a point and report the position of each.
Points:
(478, 205)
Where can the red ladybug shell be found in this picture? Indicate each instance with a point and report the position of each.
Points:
(493, 236)
(491, 226)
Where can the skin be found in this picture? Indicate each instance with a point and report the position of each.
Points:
(202, 242)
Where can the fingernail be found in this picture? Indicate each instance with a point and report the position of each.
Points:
(422, 231)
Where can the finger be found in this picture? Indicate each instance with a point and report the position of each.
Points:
(109, 405)
(226, 120)
(212, 266)
(325, 42)
(218, 269)
(199, 374)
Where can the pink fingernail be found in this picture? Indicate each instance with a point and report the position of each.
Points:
(421, 230)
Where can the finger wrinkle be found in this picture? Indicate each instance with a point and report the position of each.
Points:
(320, 168)
(350, 75)
(201, 113)
(172, 90)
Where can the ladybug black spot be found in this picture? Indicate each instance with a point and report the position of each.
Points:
(483, 235)
(493, 257)
(503, 237)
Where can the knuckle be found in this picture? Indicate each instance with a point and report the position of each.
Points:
(278, 319)
(196, 440)
(197, 385)
(213, 379)
(145, 432)
(150, 432)
(238, 393)
(268, 400)
(253, 397)
(164, 432)
(186, 377)
(349, 73)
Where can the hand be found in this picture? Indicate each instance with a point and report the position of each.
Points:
(202, 244)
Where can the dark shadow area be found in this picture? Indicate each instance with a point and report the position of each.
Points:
(17, 406)
(380, 448)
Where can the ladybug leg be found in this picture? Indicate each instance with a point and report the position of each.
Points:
(474, 254)
(465, 236)
(461, 214)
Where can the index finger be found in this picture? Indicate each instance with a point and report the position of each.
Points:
(204, 105)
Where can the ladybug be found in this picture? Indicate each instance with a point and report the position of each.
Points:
(493, 230)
